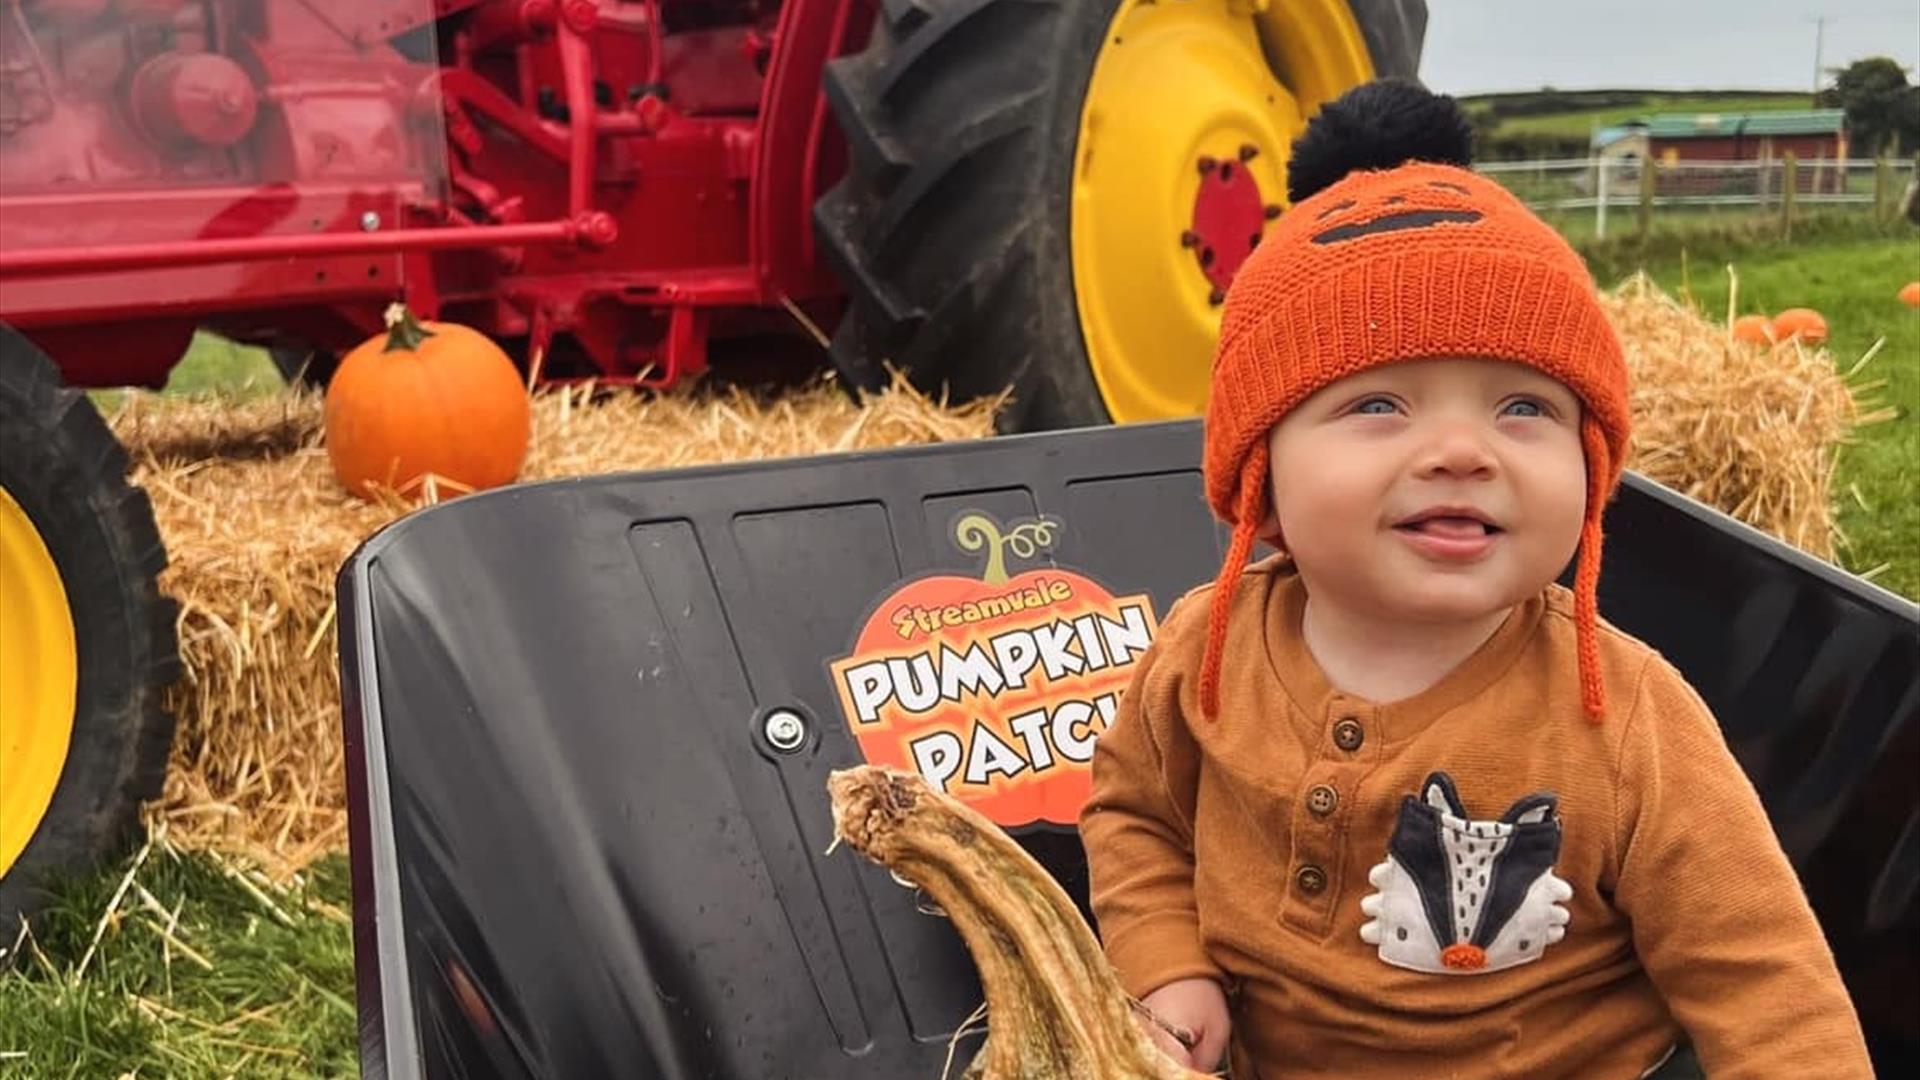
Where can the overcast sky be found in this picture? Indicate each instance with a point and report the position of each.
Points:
(1481, 45)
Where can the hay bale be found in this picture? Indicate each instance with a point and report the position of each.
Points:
(1750, 429)
(256, 528)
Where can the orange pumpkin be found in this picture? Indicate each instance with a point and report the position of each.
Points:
(426, 406)
(1910, 294)
(1753, 329)
(1804, 323)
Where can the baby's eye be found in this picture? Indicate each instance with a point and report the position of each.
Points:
(1376, 406)
(1524, 407)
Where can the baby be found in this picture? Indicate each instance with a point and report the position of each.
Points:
(1393, 803)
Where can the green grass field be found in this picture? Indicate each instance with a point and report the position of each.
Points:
(1583, 123)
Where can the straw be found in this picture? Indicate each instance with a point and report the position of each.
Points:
(1754, 430)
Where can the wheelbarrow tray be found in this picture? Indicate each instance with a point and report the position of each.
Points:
(577, 853)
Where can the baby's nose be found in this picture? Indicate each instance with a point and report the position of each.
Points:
(1457, 448)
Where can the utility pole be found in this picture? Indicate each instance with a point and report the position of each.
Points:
(1819, 46)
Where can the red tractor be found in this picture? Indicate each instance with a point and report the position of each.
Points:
(1047, 195)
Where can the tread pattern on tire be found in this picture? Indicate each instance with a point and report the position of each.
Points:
(68, 471)
(950, 231)
(953, 117)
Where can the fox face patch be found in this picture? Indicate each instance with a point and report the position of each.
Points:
(1460, 897)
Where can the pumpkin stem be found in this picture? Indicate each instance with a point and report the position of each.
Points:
(404, 332)
(976, 531)
(1055, 1004)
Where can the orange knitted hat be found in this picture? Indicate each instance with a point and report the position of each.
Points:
(1387, 255)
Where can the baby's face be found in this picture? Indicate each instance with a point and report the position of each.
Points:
(1432, 490)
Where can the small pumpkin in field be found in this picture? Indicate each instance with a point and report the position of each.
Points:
(1804, 323)
(1753, 330)
(1910, 294)
(426, 406)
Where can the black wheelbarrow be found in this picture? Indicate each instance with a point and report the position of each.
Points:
(589, 725)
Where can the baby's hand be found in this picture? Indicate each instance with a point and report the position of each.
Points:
(1198, 1007)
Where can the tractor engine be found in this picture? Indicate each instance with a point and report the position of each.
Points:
(119, 94)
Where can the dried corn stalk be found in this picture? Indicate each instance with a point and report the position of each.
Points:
(1054, 1006)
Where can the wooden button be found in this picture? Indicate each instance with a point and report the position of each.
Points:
(1348, 735)
(1311, 879)
(1322, 800)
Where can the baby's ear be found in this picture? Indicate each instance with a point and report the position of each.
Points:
(1269, 530)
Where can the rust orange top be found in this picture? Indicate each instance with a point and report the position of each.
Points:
(1471, 882)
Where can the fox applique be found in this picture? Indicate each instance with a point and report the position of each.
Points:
(1458, 896)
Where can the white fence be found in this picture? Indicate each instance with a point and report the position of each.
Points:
(1623, 185)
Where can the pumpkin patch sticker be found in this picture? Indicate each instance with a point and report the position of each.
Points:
(994, 688)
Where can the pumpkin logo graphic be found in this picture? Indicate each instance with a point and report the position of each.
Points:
(995, 688)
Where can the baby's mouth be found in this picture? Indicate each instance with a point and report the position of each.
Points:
(1449, 524)
(1450, 527)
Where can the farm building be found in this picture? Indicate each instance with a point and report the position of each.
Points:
(1620, 142)
(1762, 136)
(1816, 137)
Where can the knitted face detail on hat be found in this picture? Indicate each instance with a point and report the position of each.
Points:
(1414, 263)
(1430, 491)
(1348, 220)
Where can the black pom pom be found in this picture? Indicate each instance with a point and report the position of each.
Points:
(1378, 125)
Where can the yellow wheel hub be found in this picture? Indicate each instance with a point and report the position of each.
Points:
(39, 670)
(1181, 162)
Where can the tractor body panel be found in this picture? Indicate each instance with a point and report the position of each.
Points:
(586, 842)
(279, 171)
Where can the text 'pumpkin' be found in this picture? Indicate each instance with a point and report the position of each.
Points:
(426, 406)
(994, 688)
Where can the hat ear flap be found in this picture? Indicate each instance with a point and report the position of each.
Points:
(1586, 573)
(1250, 509)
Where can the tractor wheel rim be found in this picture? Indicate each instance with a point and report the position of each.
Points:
(39, 679)
(1180, 168)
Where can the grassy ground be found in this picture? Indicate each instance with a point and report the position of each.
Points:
(1674, 227)
(220, 365)
(199, 971)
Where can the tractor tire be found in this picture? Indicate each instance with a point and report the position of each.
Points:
(90, 643)
(953, 230)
